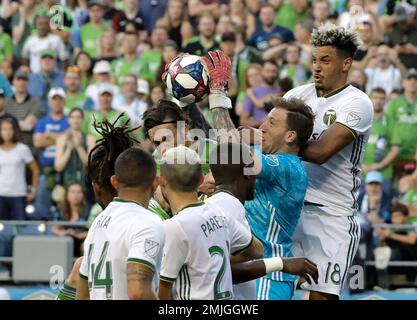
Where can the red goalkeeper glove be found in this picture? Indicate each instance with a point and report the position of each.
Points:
(218, 67)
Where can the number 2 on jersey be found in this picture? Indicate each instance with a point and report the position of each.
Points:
(218, 295)
(107, 281)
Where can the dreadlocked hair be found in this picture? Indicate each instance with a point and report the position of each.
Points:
(101, 159)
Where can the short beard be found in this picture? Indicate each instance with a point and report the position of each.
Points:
(270, 82)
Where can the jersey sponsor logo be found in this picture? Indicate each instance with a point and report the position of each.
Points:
(151, 248)
(329, 117)
(353, 119)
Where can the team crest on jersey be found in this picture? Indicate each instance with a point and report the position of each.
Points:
(151, 248)
(272, 160)
(353, 119)
(329, 117)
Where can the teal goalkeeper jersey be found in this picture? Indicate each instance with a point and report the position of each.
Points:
(274, 212)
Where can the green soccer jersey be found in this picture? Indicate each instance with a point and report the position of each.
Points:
(403, 115)
(77, 100)
(121, 67)
(150, 62)
(6, 46)
(88, 124)
(90, 38)
(380, 141)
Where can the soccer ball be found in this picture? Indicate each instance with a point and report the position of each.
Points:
(186, 79)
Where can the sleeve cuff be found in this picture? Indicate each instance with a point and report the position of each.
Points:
(355, 134)
(83, 276)
(141, 261)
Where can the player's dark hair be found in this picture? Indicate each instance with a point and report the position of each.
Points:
(102, 157)
(228, 160)
(135, 167)
(300, 117)
(164, 111)
(345, 41)
(378, 90)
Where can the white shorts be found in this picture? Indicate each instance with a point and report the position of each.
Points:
(331, 242)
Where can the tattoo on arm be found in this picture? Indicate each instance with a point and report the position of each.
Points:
(139, 272)
(222, 121)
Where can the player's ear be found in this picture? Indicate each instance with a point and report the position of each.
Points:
(291, 137)
(114, 182)
(347, 64)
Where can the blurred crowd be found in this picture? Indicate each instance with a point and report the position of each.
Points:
(65, 64)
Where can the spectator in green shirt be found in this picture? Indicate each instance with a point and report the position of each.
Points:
(291, 11)
(205, 42)
(150, 60)
(105, 112)
(91, 31)
(84, 62)
(293, 68)
(75, 97)
(402, 113)
(129, 62)
(108, 46)
(321, 12)
(383, 144)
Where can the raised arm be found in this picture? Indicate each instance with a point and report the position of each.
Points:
(219, 68)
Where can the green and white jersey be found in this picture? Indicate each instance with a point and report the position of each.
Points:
(125, 232)
(335, 184)
(199, 241)
(231, 207)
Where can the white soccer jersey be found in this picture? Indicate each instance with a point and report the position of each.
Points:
(124, 232)
(233, 208)
(335, 184)
(199, 241)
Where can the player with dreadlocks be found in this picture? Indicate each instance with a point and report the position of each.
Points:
(100, 167)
